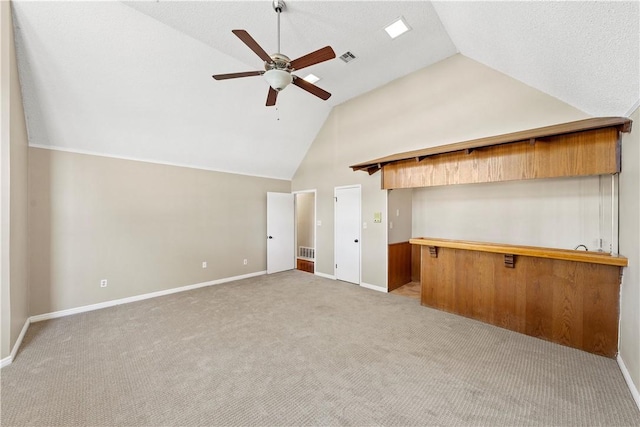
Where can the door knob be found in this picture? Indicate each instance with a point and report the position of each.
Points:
(356, 241)
(271, 237)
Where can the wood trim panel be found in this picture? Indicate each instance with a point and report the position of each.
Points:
(533, 251)
(594, 152)
(566, 302)
(620, 124)
(305, 265)
(399, 266)
(415, 263)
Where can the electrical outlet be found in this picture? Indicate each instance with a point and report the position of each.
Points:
(204, 264)
(245, 262)
(103, 283)
(391, 225)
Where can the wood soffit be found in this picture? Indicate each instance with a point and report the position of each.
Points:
(623, 124)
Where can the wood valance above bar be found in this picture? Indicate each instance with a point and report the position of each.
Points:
(531, 251)
(584, 147)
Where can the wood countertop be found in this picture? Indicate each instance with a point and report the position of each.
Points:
(532, 251)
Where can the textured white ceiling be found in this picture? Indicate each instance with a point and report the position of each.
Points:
(133, 79)
(585, 53)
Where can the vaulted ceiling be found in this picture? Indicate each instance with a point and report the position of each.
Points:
(133, 79)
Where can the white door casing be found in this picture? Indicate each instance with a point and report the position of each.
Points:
(280, 232)
(347, 234)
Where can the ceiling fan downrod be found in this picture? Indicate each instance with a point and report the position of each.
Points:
(277, 73)
(278, 6)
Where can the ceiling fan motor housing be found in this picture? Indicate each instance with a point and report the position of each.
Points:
(278, 73)
(279, 62)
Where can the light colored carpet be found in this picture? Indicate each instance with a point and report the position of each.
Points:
(296, 349)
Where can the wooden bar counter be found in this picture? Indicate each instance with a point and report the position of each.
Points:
(565, 296)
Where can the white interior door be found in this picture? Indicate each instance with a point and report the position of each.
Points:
(347, 234)
(280, 232)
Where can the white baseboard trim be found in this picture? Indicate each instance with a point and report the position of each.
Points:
(84, 309)
(9, 359)
(6, 361)
(326, 276)
(633, 108)
(374, 287)
(627, 378)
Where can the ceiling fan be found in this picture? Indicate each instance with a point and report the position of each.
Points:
(278, 68)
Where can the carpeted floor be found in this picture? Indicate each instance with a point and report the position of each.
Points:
(296, 349)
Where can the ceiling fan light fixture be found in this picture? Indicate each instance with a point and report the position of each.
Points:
(278, 79)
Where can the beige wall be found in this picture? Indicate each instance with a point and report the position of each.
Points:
(399, 209)
(5, 156)
(305, 205)
(144, 227)
(630, 247)
(324, 168)
(19, 205)
(557, 213)
(14, 192)
(454, 100)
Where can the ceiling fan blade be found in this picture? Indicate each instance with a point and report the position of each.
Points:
(320, 55)
(271, 97)
(311, 88)
(237, 75)
(253, 45)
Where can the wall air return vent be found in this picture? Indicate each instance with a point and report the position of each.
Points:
(306, 252)
(347, 57)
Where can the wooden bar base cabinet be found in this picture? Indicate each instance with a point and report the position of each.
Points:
(567, 297)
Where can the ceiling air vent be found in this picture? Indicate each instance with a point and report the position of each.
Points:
(347, 57)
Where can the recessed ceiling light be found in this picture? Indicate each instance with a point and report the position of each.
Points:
(311, 78)
(398, 27)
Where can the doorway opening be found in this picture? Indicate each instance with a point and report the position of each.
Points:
(305, 230)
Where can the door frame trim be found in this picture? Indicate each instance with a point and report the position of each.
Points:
(335, 190)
